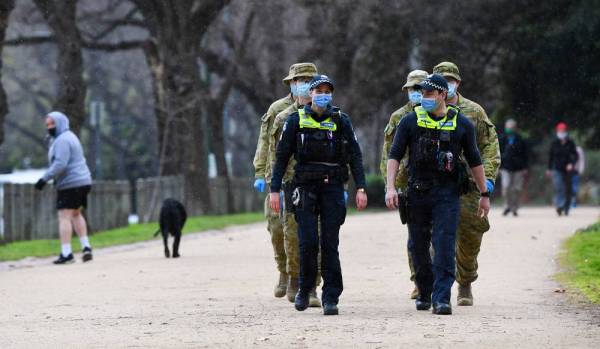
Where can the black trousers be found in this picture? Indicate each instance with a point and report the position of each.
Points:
(324, 202)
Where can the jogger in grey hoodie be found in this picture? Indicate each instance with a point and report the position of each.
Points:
(73, 182)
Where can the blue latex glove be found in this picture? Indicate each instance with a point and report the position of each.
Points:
(346, 197)
(260, 184)
(489, 185)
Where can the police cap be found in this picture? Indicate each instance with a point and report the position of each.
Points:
(320, 79)
(433, 82)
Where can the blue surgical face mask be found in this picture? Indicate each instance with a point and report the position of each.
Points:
(429, 104)
(294, 89)
(302, 89)
(415, 96)
(321, 100)
(451, 90)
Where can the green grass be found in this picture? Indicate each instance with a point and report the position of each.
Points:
(120, 236)
(582, 262)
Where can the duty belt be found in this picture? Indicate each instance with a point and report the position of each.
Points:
(424, 185)
(337, 175)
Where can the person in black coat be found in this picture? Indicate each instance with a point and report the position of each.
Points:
(514, 166)
(561, 165)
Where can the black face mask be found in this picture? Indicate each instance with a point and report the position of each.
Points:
(52, 132)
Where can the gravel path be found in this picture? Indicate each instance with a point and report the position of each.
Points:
(219, 294)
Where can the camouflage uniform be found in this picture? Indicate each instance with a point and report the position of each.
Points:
(471, 227)
(262, 169)
(290, 228)
(414, 77)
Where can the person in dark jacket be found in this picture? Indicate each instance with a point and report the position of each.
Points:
(561, 166)
(514, 166)
(72, 180)
(322, 140)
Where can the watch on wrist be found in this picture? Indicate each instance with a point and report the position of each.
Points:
(361, 190)
(485, 194)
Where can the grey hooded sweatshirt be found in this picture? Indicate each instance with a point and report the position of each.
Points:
(67, 162)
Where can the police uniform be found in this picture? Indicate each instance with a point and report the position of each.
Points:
(434, 146)
(413, 78)
(323, 147)
(472, 227)
(262, 171)
(290, 227)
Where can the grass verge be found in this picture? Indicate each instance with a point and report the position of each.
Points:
(581, 261)
(125, 235)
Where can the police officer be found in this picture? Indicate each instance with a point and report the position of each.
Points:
(436, 135)
(471, 227)
(304, 72)
(323, 142)
(262, 174)
(414, 99)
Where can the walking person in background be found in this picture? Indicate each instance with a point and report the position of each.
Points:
(579, 168)
(72, 180)
(561, 164)
(514, 166)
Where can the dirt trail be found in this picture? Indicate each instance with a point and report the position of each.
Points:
(219, 294)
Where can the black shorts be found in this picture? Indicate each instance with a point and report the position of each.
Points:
(72, 198)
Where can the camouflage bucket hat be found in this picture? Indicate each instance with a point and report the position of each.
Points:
(300, 70)
(414, 77)
(447, 70)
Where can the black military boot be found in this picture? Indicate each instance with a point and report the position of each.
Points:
(330, 309)
(302, 300)
(442, 309)
(423, 304)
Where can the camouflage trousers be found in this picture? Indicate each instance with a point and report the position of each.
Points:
(275, 228)
(284, 238)
(468, 240)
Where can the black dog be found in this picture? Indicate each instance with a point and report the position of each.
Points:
(172, 220)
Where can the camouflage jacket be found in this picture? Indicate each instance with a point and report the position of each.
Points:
(262, 167)
(487, 140)
(274, 136)
(388, 138)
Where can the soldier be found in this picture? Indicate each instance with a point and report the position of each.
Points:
(262, 172)
(323, 142)
(414, 99)
(471, 227)
(303, 73)
(435, 135)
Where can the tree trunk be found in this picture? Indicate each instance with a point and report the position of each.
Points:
(217, 129)
(61, 18)
(6, 8)
(176, 29)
